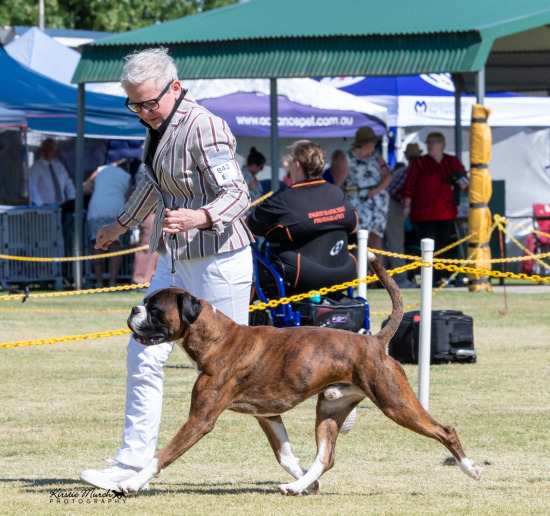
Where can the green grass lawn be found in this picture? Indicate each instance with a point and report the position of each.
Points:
(63, 410)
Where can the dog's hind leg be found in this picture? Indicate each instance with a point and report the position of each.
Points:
(277, 436)
(328, 422)
(393, 394)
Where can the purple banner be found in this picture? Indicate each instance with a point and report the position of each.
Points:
(248, 114)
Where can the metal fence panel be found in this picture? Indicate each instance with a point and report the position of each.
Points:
(33, 232)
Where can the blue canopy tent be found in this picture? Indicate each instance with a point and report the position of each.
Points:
(50, 106)
(40, 52)
(12, 118)
(43, 54)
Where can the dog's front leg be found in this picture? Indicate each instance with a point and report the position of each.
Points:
(208, 401)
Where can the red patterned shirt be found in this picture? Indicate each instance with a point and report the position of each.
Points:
(432, 199)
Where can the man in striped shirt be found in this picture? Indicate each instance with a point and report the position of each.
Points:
(199, 196)
(428, 197)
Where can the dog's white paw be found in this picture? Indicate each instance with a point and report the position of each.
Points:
(132, 485)
(289, 490)
(470, 468)
(296, 489)
(140, 480)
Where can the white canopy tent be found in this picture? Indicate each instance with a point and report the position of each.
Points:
(520, 124)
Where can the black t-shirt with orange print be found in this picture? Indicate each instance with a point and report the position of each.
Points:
(302, 212)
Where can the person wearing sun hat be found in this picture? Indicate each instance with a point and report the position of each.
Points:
(412, 150)
(364, 174)
(394, 236)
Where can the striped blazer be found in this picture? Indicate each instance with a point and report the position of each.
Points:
(194, 167)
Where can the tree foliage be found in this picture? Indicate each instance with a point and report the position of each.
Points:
(102, 15)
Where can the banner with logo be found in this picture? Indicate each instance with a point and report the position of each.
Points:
(428, 100)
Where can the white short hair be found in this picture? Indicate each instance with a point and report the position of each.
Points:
(152, 63)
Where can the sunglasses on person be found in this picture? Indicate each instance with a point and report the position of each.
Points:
(149, 105)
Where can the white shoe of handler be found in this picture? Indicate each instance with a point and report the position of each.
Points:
(109, 477)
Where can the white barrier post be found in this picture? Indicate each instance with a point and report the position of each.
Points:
(362, 263)
(424, 349)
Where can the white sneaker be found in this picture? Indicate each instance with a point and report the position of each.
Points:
(111, 476)
(348, 423)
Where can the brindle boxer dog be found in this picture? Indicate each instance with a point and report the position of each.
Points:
(265, 371)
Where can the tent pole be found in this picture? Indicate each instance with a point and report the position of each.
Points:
(399, 141)
(41, 15)
(480, 86)
(385, 145)
(79, 179)
(458, 116)
(274, 135)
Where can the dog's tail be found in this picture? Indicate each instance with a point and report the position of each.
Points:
(386, 333)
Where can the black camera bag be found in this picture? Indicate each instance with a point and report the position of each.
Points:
(452, 338)
(336, 311)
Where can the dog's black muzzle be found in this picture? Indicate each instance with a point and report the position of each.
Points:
(144, 335)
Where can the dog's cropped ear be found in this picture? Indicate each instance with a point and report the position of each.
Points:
(190, 308)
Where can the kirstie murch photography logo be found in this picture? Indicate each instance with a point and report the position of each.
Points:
(86, 496)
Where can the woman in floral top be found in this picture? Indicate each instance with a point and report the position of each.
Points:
(364, 174)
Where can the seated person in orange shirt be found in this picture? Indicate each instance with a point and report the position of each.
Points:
(307, 225)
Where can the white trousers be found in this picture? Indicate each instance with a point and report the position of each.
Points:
(224, 280)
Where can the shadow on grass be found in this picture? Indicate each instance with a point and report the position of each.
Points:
(47, 485)
(42, 482)
(66, 485)
(71, 485)
(263, 488)
(223, 489)
(218, 488)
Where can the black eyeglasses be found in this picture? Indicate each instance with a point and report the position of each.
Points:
(149, 105)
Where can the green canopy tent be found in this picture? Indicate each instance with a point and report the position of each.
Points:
(305, 38)
(495, 44)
